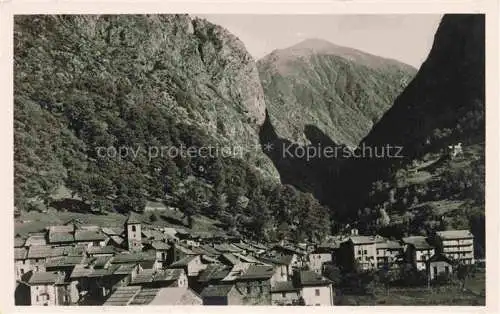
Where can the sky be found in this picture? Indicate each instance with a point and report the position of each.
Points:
(406, 38)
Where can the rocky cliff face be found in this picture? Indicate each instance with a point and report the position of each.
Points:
(341, 91)
(443, 105)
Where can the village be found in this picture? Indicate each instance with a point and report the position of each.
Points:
(144, 264)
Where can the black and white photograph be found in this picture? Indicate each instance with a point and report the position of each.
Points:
(249, 159)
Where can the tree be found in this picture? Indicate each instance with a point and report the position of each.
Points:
(153, 217)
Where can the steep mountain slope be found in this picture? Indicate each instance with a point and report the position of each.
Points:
(100, 101)
(341, 91)
(442, 107)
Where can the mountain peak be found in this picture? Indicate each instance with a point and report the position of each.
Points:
(317, 46)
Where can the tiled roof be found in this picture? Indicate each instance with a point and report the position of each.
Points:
(455, 234)
(113, 231)
(184, 250)
(209, 260)
(20, 253)
(230, 258)
(43, 251)
(145, 296)
(144, 276)
(35, 240)
(258, 272)
(168, 274)
(419, 242)
(80, 271)
(101, 261)
(283, 286)
(62, 228)
(122, 296)
(310, 278)
(245, 247)
(389, 244)
(64, 261)
(133, 257)
(101, 272)
(210, 250)
(74, 251)
(226, 248)
(360, 239)
(214, 272)
(183, 261)
(160, 245)
(40, 278)
(60, 237)
(439, 258)
(125, 269)
(217, 291)
(19, 242)
(236, 272)
(89, 235)
(117, 239)
(108, 249)
(247, 258)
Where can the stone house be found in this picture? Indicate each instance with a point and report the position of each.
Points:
(439, 264)
(417, 251)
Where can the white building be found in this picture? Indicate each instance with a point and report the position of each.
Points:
(457, 245)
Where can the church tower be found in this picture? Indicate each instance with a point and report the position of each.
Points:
(134, 233)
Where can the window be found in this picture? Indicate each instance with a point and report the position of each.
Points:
(48, 297)
(261, 289)
(367, 258)
(37, 268)
(133, 228)
(447, 269)
(316, 292)
(365, 252)
(37, 298)
(249, 289)
(283, 294)
(359, 252)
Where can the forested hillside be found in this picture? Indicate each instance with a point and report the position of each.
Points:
(88, 82)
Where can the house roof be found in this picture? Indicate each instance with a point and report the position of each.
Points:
(126, 257)
(160, 245)
(245, 247)
(210, 250)
(184, 250)
(113, 231)
(122, 296)
(419, 242)
(62, 228)
(101, 272)
(64, 261)
(168, 274)
(455, 234)
(143, 276)
(125, 269)
(226, 248)
(214, 272)
(80, 271)
(19, 242)
(89, 235)
(278, 259)
(217, 291)
(20, 253)
(74, 251)
(389, 244)
(230, 258)
(133, 218)
(44, 251)
(310, 278)
(60, 237)
(183, 262)
(360, 239)
(247, 258)
(145, 296)
(439, 258)
(283, 286)
(101, 261)
(108, 249)
(40, 278)
(258, 272)
(117, 239)
(35, 239)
